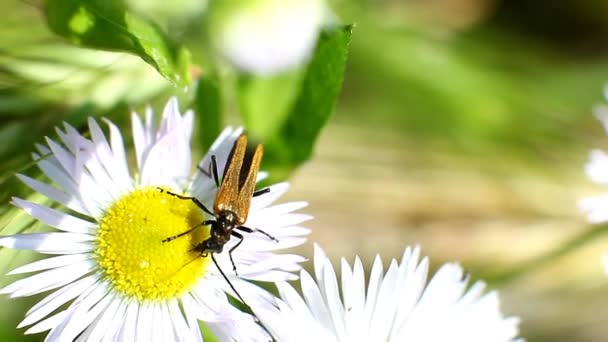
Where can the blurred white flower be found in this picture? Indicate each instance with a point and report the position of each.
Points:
(397, 306)
(267, 36)
(113, 278)
(596, 207)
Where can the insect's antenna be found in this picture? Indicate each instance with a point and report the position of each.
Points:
(181, 268)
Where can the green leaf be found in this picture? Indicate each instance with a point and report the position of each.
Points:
(266, 101)
(292, 143)
(108, 25)
(208, 109)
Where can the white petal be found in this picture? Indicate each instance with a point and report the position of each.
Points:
(292, 231)
(273, 261)
(314, 299)
(271, 276)
(120, 166)
(596, 208)
(88, 157)
(55, 333)
(354, 299)
(50, 243)
(319, 260)
(178, 321)
(144, 332)
(48, 323)
(72, 139)
(113, 172)
(74, 166)
(330, 289)
(85, 310)
(168, 161)
(65, 182)
(53, 193)
(170, 117)
(107, 310)
(292, 298)
(384, 311)
(129, 326)
(43, 151)
(139, 139)
(415, 281)
(209, 300)
(448, 274)
(49, 263)
(286, 220)
(111, 330)
(195, 331)
(276, 210)
(55, 218)
(474, 293)
(56, 299)
(65, 159)
(276, 191)
(90, 314)
(597, 167)
(375, 281)
(164, 327)
(601, 113)
(48, 280)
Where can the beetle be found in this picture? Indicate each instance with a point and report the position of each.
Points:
(232, 202)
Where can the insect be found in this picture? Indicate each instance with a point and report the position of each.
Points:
(231, 205)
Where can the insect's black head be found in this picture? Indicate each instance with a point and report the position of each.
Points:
(211, 245)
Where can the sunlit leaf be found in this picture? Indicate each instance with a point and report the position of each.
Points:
(208, 109)
(107, 24)
(293, 141)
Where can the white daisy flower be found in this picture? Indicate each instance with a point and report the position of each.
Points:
(397, 306)
(120, 281)
(596, 207)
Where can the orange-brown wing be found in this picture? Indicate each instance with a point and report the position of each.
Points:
(248, 186)
(227, 195)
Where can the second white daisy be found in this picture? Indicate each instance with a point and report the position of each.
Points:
(397, 306)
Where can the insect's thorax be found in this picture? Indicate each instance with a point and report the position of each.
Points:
(221, 229)
(224, 212)
(226, 220)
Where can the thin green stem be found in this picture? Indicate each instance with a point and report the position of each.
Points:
(515, 272)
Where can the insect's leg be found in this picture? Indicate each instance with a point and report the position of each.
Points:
(240, 237)
(228, 281)
(211, 172)
(205, 172)
(193, 199)
(204, 223)
(213, 167)
(251, 230)
(261, 192)
(257, 320)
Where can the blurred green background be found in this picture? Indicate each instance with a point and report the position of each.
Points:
(462, 126)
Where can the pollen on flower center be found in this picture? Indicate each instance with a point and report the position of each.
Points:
(130, 248)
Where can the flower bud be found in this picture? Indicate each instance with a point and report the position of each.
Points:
(266, 36)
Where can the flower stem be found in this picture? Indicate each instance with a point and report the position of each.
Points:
(515, 272)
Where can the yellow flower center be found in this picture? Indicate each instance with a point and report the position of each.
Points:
(130, 248)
